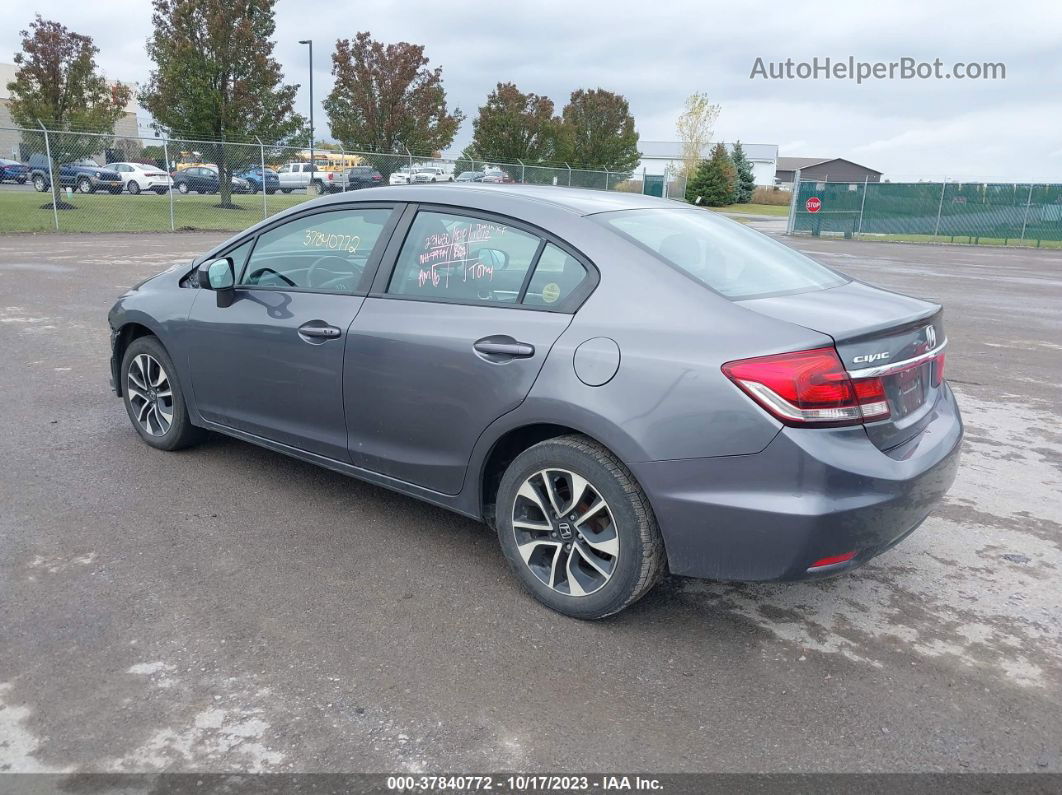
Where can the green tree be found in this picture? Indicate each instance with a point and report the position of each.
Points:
(514, 126)
(386, 99)
(713, 181)
(216, 81)
(597, 132)
(56, 84)
(745, 183)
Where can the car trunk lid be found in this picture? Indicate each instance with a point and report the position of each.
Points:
(878, 334)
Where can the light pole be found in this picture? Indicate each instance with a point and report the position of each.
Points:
(312, 169)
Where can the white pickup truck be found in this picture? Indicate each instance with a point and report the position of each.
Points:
(299, 175)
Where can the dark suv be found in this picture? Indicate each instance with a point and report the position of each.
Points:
(363, 177)
(87, 176)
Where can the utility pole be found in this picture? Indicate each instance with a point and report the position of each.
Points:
(310, 43)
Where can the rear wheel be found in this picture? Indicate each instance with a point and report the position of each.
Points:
(577, 529)
(285, 190)
(153, 397)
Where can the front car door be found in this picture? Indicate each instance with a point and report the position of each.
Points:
(451, 340)
(271, 364)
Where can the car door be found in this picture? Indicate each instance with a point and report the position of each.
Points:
(271, 363)
(447, 343)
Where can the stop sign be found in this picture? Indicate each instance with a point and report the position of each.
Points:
(813, 204)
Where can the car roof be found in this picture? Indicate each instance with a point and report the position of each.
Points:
(580, 201)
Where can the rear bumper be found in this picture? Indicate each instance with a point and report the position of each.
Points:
(811, 494)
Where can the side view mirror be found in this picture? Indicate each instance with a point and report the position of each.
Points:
(218, 275)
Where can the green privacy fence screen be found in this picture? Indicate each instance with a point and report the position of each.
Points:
(963, 211)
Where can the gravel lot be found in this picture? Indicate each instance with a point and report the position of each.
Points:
(227, 608)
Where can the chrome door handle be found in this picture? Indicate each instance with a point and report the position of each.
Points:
(520, 350)
(326, 332)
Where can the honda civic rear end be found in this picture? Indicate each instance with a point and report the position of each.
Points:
(868, 430)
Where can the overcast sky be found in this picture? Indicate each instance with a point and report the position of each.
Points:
(656, 53)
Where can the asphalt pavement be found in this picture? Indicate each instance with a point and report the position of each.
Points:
(230, 609)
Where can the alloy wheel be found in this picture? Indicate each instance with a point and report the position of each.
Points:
(150, 394)
(565, 532)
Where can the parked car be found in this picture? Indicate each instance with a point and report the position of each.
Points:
(85, 176)
(204, 179)
(13, 171)
(496, 175)
(303, 175)
(254, 179)
(400, 177)
(759, 417)
(432, 174)
(470, 176)
(363, 177)
(138, 177)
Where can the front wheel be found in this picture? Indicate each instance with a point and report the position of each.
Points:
(153, 397)
(577, 529)
(133, 187)
(84, 185)
(39, 184)
(182, 187)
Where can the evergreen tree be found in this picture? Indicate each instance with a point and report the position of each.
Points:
(713, 181)
(746, 181)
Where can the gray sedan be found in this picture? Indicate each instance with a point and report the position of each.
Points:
(617, 384)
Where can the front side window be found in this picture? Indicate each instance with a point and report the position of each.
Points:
(463, 258)
(325, 252)
(731, 259)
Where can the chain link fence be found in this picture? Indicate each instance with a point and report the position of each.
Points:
(955, 212)
(85, 182)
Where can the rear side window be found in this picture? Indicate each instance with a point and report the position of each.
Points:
(462, 258)
(736, 262)
(556, 277)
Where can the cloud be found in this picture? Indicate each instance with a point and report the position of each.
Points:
(657, 54)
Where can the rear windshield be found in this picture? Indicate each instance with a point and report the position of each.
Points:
(731, 259)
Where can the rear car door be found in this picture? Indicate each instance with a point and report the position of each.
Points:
(271, 363)
(449, 340)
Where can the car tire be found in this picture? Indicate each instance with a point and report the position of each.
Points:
(285, 190)
(133, 187)
(39, 183)
(84, 185)
(613, 554)
(153, 398)
(21, 180)
(182, 187)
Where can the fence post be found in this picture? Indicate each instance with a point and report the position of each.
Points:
(940, 207)
(569, 174)
(862, 204)
(261, 155)
(410, 161)
(790, 225)
(1025, 219)
(523, 169)
(169, 168)
(51, 174)
(606, 180)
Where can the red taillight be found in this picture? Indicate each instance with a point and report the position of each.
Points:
(809, 387)
(833, 560)
(938, 369)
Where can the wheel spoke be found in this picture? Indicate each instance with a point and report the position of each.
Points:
(553, 567)
(608, 546)
(528, 549)
(528, 491)
(595, 508)
(575, 588)
(142, 412)
(591, 558)
(136, 392)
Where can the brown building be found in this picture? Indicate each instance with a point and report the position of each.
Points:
(823, 169)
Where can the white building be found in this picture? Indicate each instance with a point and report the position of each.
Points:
(658, 156)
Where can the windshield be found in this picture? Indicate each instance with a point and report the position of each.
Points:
(731, 259)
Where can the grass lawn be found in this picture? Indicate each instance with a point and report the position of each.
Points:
(20, 211)
(754, 209)
(960, 240)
